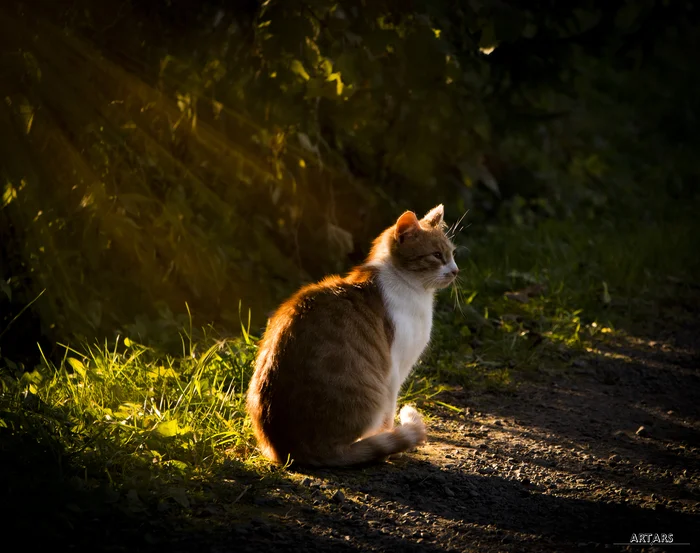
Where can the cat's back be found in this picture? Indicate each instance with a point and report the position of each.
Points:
(324, 358)
(331, 312)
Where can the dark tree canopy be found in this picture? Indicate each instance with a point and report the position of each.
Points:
(158, 153)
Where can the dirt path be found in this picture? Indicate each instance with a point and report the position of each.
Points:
(577, 461)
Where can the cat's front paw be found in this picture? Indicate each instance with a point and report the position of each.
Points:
(411, 418)
(409, 415)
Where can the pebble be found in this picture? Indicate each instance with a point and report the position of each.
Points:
(642, 431)
(338, 497)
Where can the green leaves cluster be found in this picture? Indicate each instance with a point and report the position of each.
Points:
(191, 152)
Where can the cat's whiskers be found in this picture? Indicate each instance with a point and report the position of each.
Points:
(451, 231)
(457, 292)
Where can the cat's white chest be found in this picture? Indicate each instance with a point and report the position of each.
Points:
(412, 326)
(411, 313)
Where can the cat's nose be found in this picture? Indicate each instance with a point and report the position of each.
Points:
(454, 272)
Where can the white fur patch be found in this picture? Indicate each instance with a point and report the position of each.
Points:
(409, 415)
(410, 308)
(448, 268)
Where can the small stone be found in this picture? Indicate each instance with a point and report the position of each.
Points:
(642, 431)
(614, 459)
(306, 482)
(338, 497)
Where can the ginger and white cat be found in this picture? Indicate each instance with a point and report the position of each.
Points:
(334, 356)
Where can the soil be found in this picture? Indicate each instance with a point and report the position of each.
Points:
(606, 452)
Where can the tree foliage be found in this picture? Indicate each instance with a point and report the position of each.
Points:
(155, 154)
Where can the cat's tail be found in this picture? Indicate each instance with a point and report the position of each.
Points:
(406, 436)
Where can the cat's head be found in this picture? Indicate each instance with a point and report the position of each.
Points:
(421, 249)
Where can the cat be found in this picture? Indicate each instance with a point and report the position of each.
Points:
(334, 356)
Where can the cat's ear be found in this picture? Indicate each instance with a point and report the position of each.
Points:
(434, 216)
(406, 225)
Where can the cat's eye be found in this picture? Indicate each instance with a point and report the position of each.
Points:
(439, 256)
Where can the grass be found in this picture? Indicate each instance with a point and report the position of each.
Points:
(145, 425)
(536, 296)
(133, 418)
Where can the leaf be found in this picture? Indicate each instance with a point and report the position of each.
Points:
(338, 82)
(5, 287)
(479, 173)
(77, 365)
(27, 112)
(606, 294)
(180, 495)
(298, 68)
(488, 40)
(32, 65)
(168, 429)
(177, 465)
(9, 194)
(306, 143)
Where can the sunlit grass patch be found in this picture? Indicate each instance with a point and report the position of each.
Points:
(127, 411)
